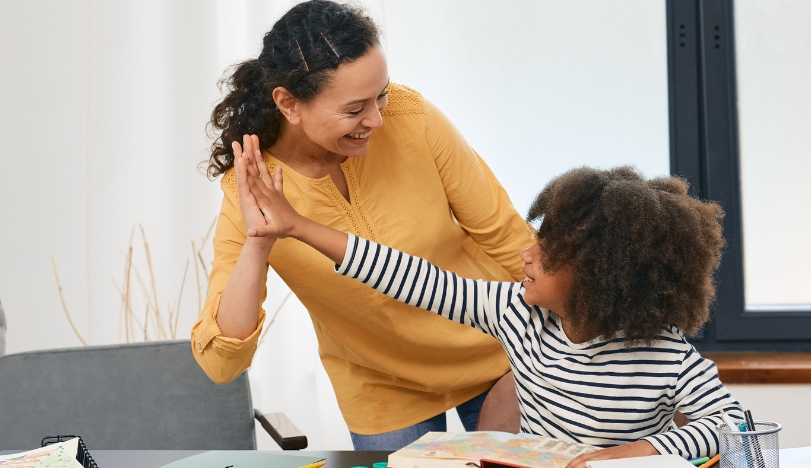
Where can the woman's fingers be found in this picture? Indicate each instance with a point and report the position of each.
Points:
(247, 144)
(240, 170)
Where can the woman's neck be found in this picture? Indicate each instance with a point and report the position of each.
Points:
(309, 159)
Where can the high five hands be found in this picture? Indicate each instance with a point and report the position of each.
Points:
(268, 214)
(266, 211)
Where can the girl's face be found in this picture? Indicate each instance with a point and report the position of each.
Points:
(342, 118)
(542, 289)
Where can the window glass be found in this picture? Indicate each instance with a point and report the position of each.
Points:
(773, 53)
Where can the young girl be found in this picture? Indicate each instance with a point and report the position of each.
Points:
(594, 336)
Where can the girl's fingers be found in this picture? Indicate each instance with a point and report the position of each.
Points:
(252, 171)
(278, 180)
(256, 149)
(258, 232)
(264, 174)
(257, 187)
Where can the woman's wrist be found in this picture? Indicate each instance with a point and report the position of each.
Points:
(260, 246)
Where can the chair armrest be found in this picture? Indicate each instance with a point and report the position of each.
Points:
(282, 430)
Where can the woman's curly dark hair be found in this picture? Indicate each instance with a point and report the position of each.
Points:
(298, 53)
(642, 252)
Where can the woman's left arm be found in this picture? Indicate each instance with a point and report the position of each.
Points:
(478, 201)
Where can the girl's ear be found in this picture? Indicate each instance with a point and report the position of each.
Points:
(287, 103)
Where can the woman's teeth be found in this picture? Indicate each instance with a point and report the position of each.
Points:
(531, 280)
(359, 136)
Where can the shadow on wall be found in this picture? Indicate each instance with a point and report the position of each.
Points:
(2, 330)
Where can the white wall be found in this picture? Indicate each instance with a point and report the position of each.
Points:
(785, 404)
(105, 105)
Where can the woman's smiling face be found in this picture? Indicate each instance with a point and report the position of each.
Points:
(342, 118)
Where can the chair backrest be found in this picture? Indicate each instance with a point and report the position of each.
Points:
(500, 410)
(145, 396)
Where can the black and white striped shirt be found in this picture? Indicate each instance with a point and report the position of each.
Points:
(601, 393)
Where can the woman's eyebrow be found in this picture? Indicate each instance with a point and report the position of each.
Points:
(358, 101)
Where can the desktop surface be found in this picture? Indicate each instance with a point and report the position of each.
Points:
(158, 458)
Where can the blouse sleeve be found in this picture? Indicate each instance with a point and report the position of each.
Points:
(223, 358)
(478, 201)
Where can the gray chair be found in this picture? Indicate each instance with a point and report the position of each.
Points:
(145, 396)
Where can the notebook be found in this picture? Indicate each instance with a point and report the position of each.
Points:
(243, 459)
(486, 450)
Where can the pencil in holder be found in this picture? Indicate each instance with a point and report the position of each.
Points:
(757, 448)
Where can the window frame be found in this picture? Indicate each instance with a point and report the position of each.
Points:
(704, 149)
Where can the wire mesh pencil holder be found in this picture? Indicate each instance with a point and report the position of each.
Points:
(750, 449)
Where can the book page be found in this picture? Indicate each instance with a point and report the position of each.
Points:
(61, 455)
(518, 449)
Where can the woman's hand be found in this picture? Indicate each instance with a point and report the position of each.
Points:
(640, 448)
(267, 193)
(243, 158)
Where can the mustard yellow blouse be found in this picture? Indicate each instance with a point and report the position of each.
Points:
(420, 189)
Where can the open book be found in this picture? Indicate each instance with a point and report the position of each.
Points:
(61, 455)
(485, 450)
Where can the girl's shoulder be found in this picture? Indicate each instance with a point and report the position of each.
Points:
(403, 101)
(675, 339)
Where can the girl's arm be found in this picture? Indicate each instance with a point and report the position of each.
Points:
(408, 279)
(700, 396)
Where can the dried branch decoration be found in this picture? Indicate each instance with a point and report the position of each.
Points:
(152, 325)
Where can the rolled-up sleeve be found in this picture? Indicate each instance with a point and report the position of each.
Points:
(220, 357)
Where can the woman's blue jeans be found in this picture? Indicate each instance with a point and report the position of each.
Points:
(395, 440)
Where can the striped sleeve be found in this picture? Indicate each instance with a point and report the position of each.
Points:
(417, 282)
(700, 396)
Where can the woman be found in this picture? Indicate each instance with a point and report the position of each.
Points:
(317, 99)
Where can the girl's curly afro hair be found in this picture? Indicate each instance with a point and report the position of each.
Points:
(642, 252)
